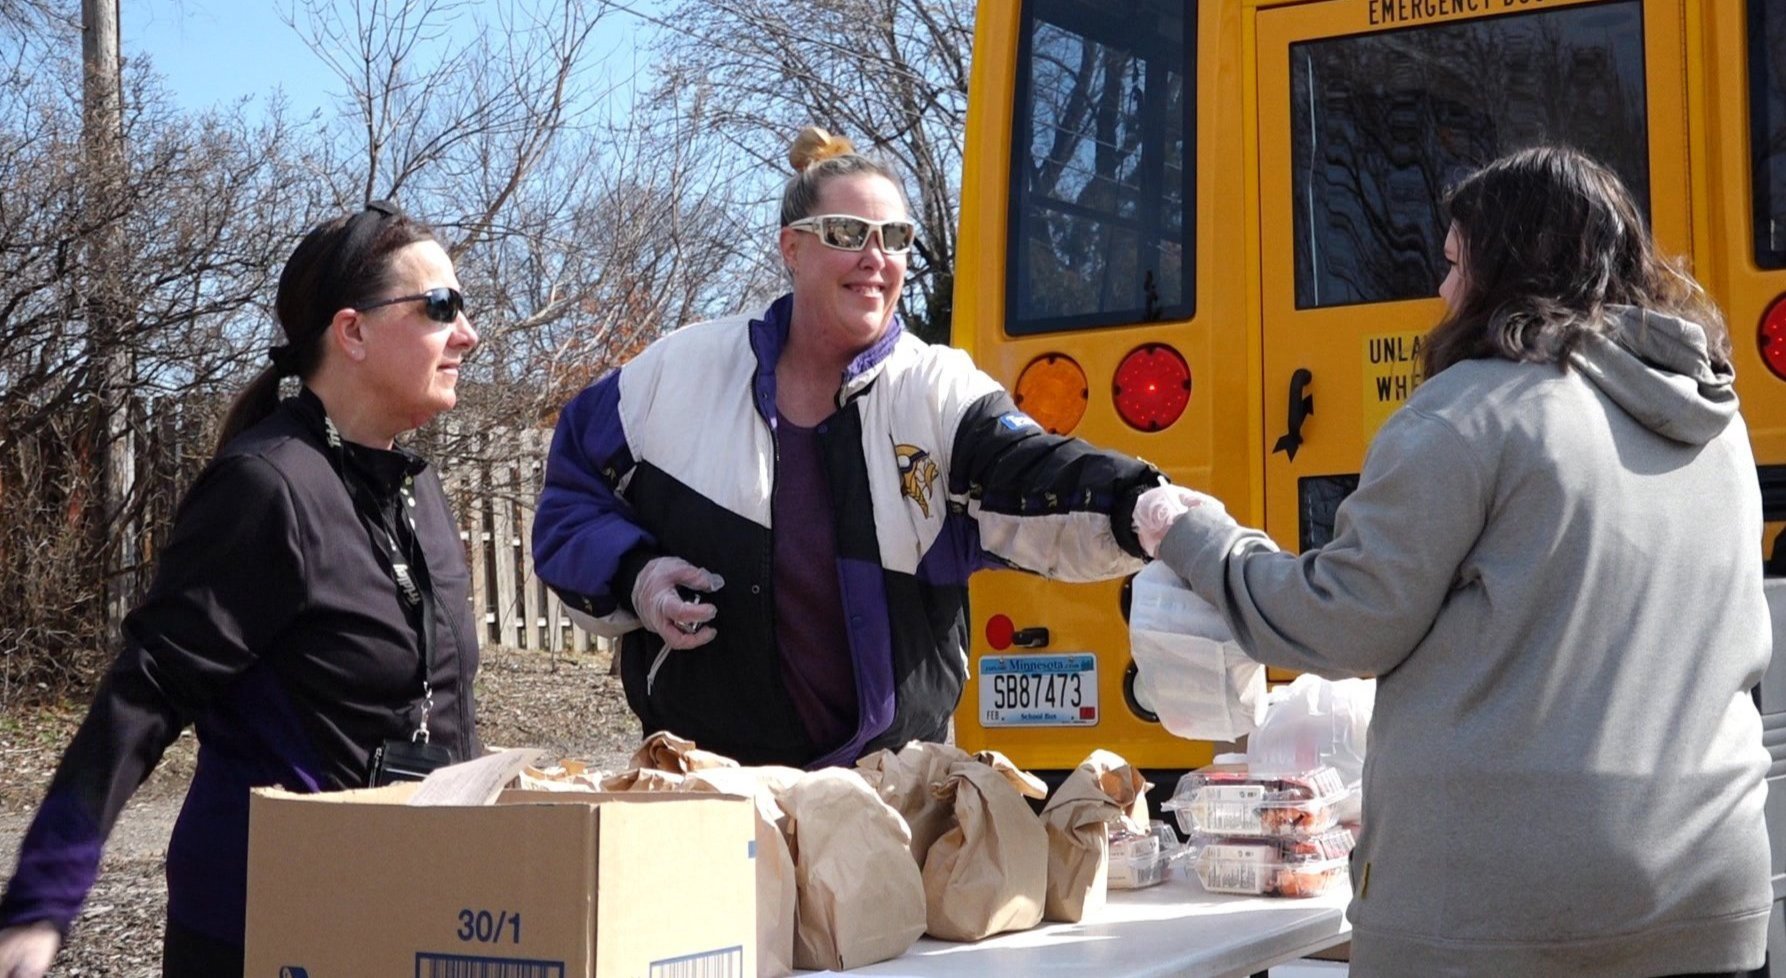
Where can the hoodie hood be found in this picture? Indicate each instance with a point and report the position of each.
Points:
(1657, 368)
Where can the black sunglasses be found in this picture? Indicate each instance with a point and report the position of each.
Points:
(444, 304)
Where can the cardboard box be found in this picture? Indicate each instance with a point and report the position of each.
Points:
(358, 884)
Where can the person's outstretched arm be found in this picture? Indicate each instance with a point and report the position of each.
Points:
(229, 580)
(1359, 605)
(1051, 504)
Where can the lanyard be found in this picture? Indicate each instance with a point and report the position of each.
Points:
(405, 569)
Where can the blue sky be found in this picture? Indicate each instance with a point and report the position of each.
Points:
(211, 52)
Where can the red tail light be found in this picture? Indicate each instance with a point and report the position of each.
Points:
(999, 630)
(1152, 387)
(1773, 338)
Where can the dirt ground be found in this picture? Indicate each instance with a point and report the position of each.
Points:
(566, 704)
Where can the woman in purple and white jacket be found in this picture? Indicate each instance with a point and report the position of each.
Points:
(790, 503)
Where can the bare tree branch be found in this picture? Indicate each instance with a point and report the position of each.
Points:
(889, 74)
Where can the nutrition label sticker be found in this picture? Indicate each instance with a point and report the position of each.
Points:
(1235, 869)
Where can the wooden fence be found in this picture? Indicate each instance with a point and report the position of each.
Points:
(495, 501)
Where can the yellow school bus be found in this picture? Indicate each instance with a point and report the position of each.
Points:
(1209, 234)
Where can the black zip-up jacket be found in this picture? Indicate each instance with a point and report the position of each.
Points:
(274, 625)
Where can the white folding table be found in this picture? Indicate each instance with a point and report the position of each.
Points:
(1174, 930)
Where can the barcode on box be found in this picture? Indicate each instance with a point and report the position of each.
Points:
(723, 963)
(461, 966)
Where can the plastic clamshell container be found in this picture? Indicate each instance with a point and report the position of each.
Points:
(1261, 867)
(1140, 859)
(1332, 844)
(1228, 801)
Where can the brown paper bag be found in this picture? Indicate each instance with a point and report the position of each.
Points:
(566, 775)
(776, 890)
(642, 779)
(664, 751)
(766, 779)
(1027, 784)
(907, 781)
(861, 897)
(1103, 789)
(989, 872)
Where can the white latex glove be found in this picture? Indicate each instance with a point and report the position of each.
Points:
(680, 622)
(1158, 508)
(26, 950)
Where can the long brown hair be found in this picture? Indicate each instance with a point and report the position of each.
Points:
(1549, 239)
(340, 263)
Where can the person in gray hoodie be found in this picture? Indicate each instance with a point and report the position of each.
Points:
(1552, 566)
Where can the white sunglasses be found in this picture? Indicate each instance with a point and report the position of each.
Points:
(846, 232)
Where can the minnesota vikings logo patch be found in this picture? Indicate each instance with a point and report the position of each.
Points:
(917, 475)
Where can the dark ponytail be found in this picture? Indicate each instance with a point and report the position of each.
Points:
(250, 405)
(341, 262)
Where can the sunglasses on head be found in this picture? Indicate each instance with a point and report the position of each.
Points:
(444, 304)
(847, 233)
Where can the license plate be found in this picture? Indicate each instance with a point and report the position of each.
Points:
(1039, 690)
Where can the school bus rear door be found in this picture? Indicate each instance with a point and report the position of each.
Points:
(1368, 111)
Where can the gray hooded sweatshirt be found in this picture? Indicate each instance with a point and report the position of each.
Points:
(1556, 577)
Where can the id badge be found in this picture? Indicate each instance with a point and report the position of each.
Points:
(406, 760)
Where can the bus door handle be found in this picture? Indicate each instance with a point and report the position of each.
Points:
(1302, 404)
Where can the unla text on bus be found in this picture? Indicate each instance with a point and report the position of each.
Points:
(1209, 234)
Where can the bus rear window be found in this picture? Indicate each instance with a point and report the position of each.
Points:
(1383, 124)
(1767, 133)
(1102, 161)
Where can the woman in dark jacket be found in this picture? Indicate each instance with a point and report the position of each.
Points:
(308, 616)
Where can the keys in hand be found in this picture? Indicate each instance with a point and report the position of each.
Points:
(667, 599)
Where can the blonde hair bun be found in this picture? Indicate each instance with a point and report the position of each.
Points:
(815, 145)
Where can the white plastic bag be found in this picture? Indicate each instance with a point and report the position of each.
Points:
(1314, 722)
(1191, 671)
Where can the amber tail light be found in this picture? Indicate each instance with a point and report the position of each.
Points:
(1052, 391)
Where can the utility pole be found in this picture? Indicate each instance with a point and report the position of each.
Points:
(113, 361)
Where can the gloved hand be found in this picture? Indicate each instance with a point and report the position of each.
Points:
(679, 621)
(1160, 507)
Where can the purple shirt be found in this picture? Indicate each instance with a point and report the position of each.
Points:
(815, 651)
